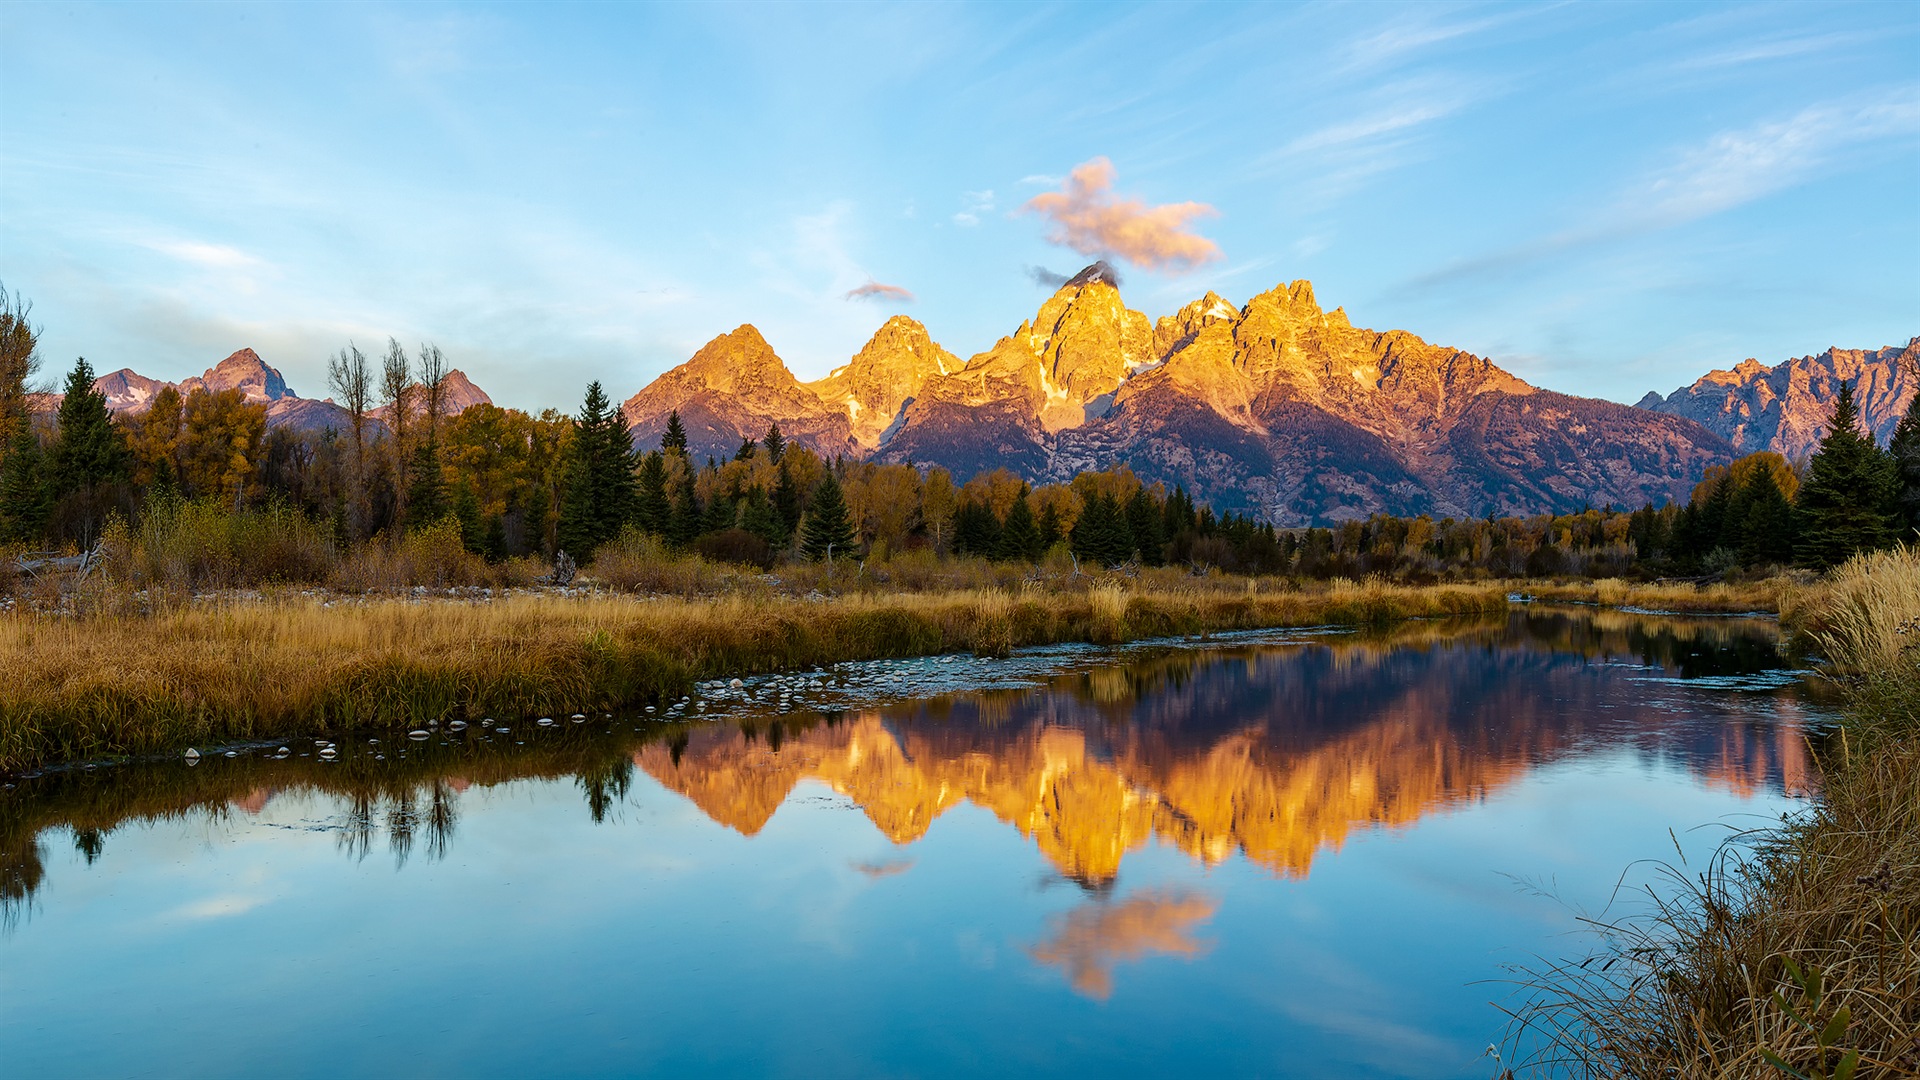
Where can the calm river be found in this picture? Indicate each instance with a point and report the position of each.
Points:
(1285, 854)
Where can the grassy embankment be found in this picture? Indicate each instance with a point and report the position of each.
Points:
(1795, 952)
(176, 641)
(113, 681)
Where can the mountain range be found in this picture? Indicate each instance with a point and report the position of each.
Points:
(1275, 407)
(130, 392)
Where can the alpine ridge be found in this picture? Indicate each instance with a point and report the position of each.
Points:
(1784, 408)
(1275, 407)
(131, 393)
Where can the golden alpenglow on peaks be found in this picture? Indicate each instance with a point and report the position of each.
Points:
(1276, 407)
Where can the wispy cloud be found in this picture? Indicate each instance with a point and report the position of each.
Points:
(1397, 42)
(875, 290)
(1728, 170)
(1090, 219)
(1774, 48)
(198, 253)
(973, 206)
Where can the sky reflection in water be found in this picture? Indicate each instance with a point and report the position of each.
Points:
(1289, 859)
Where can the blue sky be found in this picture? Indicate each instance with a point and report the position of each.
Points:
(1605, 199)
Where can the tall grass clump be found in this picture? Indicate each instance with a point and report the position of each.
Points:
(205, 544)
(1796, 951)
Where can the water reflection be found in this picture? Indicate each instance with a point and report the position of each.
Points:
(1276, 754)
(1087, 941)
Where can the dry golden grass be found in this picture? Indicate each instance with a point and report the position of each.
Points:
(1774, 594)
(118, 683)
(1796, 952)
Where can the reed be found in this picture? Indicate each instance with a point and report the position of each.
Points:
(122, 681)
(1796, 951)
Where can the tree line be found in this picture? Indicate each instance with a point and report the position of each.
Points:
(514, 484)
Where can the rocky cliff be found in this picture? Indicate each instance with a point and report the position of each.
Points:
(1784, 408)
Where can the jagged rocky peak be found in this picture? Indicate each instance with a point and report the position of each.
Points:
(243, 371)
(739, 358)
(461, 394)
(1087, 341)
(127, 390)
(887, 372)
(1100, 272)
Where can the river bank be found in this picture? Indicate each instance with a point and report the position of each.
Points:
(1796, 950)
(96, 685)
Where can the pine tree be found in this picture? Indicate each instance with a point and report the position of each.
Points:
(828, 529)
(675, 440)
(89, 450)
(24, 497)
(758, 516)
(654, 512)
(602, 493)
(1049, 526)
(718, 515)
(786, 497)
(1767, 525)
(1905, 450)
(427, 495)
(747, 449)
(1850, 487)
(1144, 522)
(976, 531)
(1020, 537)
(475, 534)
(1100, 536)
(775, 442)
(683, 525)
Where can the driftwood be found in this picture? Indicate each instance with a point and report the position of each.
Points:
(44, 564)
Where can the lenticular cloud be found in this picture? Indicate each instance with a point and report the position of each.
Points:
(1091, 220)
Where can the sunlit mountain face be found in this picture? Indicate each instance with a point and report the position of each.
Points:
(1274, 754)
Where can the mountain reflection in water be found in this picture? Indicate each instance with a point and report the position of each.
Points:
(1278, 753)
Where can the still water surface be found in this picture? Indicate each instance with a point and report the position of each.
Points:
(1290, 855)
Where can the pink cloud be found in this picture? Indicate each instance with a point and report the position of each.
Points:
(874, 290)
(1090, 219)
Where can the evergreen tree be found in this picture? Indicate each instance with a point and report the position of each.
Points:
(758, 516)
(1101, 535)
(1049, 526)
(1144, 522)
(1767, 526)
(427, 495)
(89, 450)
(683, 525)
(1905, 450)
(829, 529)
(1850, 488)
(1178, 515)
(775, 442)
(1717, 526)
(675, 440)
(747, 449)
(786, 496)
(1020, 537)
(601, 492)
(25, 500)
(719, 514)
(976, 531)
(475, 530)
(653, 512)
